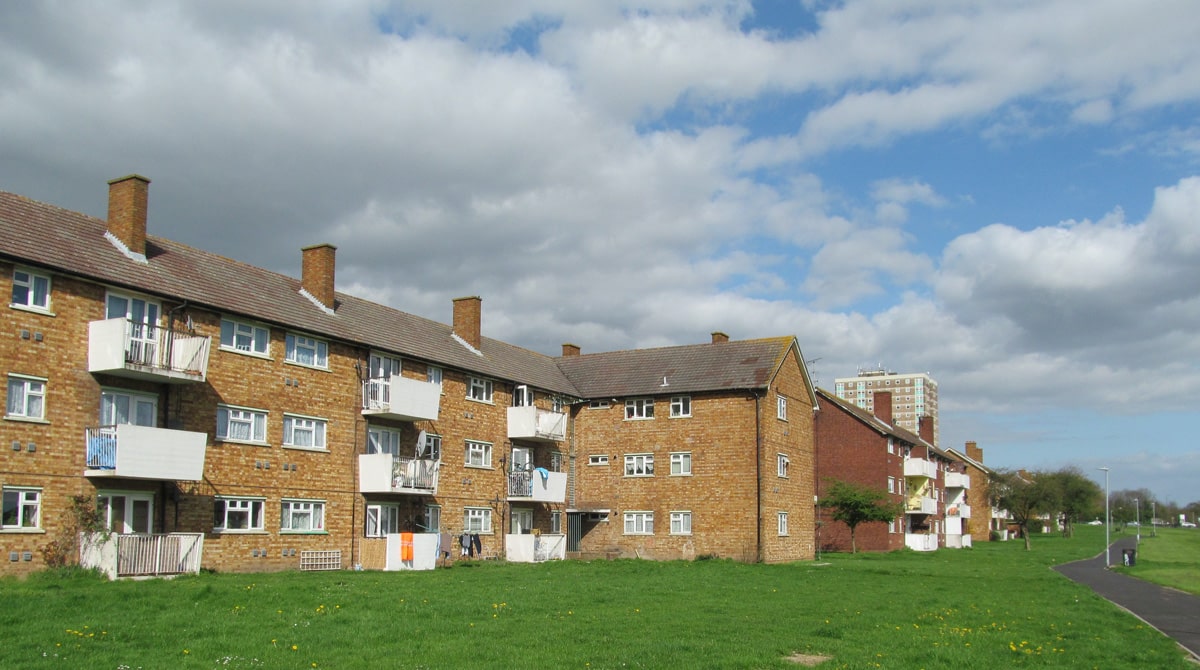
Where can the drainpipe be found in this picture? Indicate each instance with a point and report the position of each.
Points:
(758, 475)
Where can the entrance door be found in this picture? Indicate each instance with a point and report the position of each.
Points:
(381, 370)
(126, 513)
(522, 520)
(117, 407)
(574, 530)
(143, 327)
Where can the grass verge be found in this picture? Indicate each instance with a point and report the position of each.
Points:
(1171, 557)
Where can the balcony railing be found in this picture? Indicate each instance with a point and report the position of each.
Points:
(142, 452)
(537, 485)
(921, 542)
(143, 351)
(919, 467)
(386, 473)
(957, 480)
(142, 555)
(920, 505)
(401, 398)
(532, 423)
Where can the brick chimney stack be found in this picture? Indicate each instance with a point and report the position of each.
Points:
(883, 406)
(974, 452)
(719, 338)
(127, 206)
(925, 428)
(570, 350)
(317, 269)
(467, 316)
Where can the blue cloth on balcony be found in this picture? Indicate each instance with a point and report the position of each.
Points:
(102, 452)
(544, 473)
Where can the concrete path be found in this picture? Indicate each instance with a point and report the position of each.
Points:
(1175, 613)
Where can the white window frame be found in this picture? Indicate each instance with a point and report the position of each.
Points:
(30, 286)
(681, 523)
(477, 520)
(681, 463)
(781, 519)
(598, 459)
(26, 398)
(681, 406)
(522, 396)
(18, 500)
(781, 406)
(480, 389)
(433, 375)
(556, 527)
(557, 404)
(598, 404)
(891, 484)
(432, 449)
(229, 415)
(433, 518)
(383, 440)
(298, 344)
(891, 446)
(257, 338)
(639, 465)
(781, 465)
(639, 409)
(253, 508)
(309, 513)
(639, 523)
(295, 425)
(381, 519)
(477, 454)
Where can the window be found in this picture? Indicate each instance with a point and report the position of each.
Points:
(383, 440)
(522, 396)
(307, 351)
(22, 508)
(891, 484)
(681, 405)
(478, 454)
(781, 407)
(781, 465)
(432, 448)
(247, 337)
(120, 407)
(233, 514)
(477, 520)
(433, 375)
(598, 404)
(303, 432)
(556, 522)
(681, 523)
(639, 465)
(479, 389)
(30, 290)
(598, 459)
(681, 463)
(302, 515)
(557, 404)
(433, 518)
(241, 425)
(26, 397)
(891, 446)
(382, 366)
(556, 461)
(783, 524)
(382, 519)
(640, 408)
(639, 523)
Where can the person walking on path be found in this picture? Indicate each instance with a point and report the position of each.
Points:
(1174, 613)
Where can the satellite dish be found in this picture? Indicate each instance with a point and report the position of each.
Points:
(421, 443)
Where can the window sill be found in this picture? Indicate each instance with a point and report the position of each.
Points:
(308, 366)
(303, 532)
(638, 534)
(481, 402)
(243, 352)
(316, 450)
(639, 476)
(22, 531)
(25, 419)
(681, 474)
(639, 418)
(248, 443)
(680, 416)
(31, 309)
(478, 467)
(223, 531)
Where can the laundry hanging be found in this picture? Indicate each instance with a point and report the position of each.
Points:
(406, 546)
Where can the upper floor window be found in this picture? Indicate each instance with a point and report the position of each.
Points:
(781, 407)
(305, 432)
(307, 351)
(247, 337)
(31, 290)
(479, 389)
(22, 508)
(121, 407)
(639, 465)
(432, 447)
(522, 396)
(891, 484)
(26, 397)
(681, 463)
(383, 440)
(241, 424)
(433, 375)
(781, 465)
(232, 514)
(639, 408)
(681, 405)
(598, 404)
(383, 367)
(557, 404)
(478, 454)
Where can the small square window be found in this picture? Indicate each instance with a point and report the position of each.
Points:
(26, 397)
(681, 523)
(30, 290)
(480, 389)
(681, 405)
(598, 459)
(681, 463)
(478, 454)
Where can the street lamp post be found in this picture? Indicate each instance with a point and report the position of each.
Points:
(1137, 509)
(1153, 518)
(1107, 520)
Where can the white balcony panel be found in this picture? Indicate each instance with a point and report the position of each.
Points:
(534, 548)
(141, 452)
(921, 542)
(165, 356)
(385, 473)
(920, 505)
(919, 467)
(142, 555)
(401, 398)
(957, 480)
(425, 551)
(532, 423)
(958, 511)
(537, 485)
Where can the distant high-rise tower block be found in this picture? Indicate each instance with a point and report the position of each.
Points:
(913, 395)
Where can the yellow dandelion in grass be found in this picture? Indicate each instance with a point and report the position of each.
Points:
(186, 652)
(295, 648)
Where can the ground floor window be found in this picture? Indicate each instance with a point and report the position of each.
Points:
(477, 520)
(232, 514)
(639, 523)
(556, 523)
(681, 523)
(22, 508)
(302, 515)
(433, 518)
(382, 519)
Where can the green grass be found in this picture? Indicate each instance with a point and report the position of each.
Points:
(993, 606)
(1171, 558)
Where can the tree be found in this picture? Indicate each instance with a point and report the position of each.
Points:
(1026, 496)
(1078, 496)
(854, 504)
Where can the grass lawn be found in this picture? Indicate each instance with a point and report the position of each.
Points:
(993, 606)
(1171, 559)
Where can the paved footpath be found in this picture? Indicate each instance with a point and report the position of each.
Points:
(1175, 613)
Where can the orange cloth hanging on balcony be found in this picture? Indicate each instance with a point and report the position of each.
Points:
(406, 546)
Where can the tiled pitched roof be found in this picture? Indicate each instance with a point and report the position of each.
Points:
(879, 425)
(73, 243)
(693, 368)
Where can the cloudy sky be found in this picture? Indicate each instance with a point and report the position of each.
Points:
(1005, 194)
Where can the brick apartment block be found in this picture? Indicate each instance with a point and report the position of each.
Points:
(236, 419)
